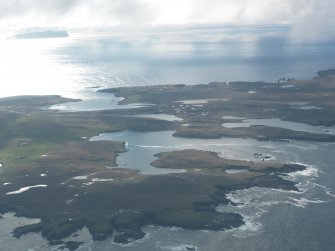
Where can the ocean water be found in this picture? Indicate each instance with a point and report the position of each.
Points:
(131, 57)
(142, 146)
(275, 219)
(86, 61)
(282, 124)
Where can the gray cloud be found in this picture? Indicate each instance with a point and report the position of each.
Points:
(314, 14)
(73, 12)
(315, 23)
(21, 8)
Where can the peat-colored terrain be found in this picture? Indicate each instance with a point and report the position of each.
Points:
(50, 170)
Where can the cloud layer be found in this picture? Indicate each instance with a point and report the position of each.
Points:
(314, 14)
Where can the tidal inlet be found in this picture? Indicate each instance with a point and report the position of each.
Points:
(167, 126)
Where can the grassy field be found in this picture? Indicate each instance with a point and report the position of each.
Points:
(50, 148)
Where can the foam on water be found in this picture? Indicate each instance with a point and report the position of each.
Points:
(254, 202)
(310, 171)
(80, 178)
(310, 107)
(182, 247)
(77, 67)
(303, 202)
(329, 192)
(232, 171)
(250, 227)
(8, 242)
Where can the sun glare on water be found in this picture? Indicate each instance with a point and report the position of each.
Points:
(28, 67)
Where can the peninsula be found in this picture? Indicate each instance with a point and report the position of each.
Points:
(51, 170)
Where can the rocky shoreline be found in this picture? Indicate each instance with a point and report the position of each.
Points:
(41, 146)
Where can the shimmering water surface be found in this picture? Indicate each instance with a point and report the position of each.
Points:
(282, 124)
(93, 101)
(275, 219)
(142, 146)
(156, 56)
(85, 62)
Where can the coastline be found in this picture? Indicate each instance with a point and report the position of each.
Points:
(66, 154)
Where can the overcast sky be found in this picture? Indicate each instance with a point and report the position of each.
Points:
(309, 19)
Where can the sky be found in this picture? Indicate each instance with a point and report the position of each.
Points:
(308, 19)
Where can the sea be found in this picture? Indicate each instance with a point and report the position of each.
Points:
(89, 60)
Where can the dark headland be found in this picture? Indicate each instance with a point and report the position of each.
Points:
(42, 34)
(71, 187)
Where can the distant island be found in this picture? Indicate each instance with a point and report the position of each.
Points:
(42, 34)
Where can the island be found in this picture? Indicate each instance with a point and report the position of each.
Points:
(52, 171)
(42, 34)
